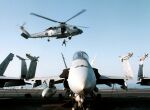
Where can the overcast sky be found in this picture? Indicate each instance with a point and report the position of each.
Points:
(116, 27)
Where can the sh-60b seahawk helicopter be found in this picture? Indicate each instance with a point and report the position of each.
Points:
(63, 30)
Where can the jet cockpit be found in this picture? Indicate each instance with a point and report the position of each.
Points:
(80, 55)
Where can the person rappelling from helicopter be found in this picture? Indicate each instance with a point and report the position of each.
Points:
(64, 42)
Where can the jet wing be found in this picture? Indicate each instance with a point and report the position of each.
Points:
(61, 80)
(10, 81)
(144, 81)
(109, 80)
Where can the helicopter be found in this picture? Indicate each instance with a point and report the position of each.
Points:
(63, 30)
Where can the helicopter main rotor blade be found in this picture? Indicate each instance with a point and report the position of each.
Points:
(82, 26)
(82, 11)
(44, 17)
(78, 26)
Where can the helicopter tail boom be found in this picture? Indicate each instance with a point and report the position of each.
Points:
(24, 33)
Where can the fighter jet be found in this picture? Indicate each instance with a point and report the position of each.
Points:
(29, 76)
(8, 81)
(141, 79)
(81, 79)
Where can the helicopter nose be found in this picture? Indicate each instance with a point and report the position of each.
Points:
(80, 31)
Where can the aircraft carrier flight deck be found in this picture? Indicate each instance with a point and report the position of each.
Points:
(27, 99)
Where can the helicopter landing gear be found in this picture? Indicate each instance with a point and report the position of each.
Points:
(69, 38)
(48, 40)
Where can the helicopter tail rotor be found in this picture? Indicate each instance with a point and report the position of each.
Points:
(24, 33)
(22, 26)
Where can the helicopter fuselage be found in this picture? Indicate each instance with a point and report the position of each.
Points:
(57, 32)
(62, 31)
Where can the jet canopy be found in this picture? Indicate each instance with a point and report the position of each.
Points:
(80, 55)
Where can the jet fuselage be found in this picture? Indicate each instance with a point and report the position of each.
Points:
(81, 79)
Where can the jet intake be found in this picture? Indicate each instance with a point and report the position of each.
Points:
(66, 85)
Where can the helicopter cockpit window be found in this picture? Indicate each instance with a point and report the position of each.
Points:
(80, 55)
(49, 28)
(74, 27)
